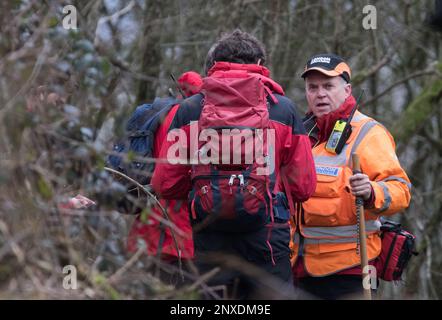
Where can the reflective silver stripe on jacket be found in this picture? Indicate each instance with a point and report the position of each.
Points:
(322, 241)
(341, 159)
(340, 231)
(394, 178)
(338, 160)
(342, 234)
(362, 133)
(359, 117)
(387, 197)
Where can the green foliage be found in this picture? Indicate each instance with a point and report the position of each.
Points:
(53, 21)
(131, 155)
(418, 111)
(44, 188)
(144, 215)
(110, 291)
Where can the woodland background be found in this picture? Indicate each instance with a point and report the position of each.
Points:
(65, 94)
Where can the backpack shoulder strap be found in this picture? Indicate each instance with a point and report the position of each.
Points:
(272, 103)
(288, 194)
(162, 108)
(145, 112)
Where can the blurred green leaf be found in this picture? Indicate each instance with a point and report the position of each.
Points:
(131, 155)
(144, 216)
(101, 163)
(101, 281)
(105, 67)
(44, 188)
(53, 22)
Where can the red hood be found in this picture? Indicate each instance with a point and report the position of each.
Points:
(190, 82)
(233, 70)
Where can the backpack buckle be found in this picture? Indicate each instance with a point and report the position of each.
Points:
(252, 189)
(204, 189)
(241, 180)
(232, 178)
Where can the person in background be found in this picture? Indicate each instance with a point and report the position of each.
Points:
(151, 233)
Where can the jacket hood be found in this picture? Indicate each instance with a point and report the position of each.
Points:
(232, 70)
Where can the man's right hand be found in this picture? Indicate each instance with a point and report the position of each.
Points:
(77, 202)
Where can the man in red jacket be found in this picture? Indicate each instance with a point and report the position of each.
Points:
(157, 237)
(252, 244)
(150, 233)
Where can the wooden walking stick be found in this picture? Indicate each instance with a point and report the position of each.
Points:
(362, 244)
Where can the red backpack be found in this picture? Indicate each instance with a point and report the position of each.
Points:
(233, 176)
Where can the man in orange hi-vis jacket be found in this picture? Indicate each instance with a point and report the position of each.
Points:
(325, 258)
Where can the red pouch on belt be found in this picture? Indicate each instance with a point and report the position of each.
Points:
(398, 246)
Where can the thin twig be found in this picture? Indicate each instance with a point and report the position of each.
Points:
(205, 277)
(164, 211)
(126, 266)
(395, 84)
(35, 71)
(366, 74)
(18, 252)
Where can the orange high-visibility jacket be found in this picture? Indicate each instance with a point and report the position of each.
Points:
(325, 231)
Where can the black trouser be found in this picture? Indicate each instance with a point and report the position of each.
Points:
(246, 269)
(335, 287)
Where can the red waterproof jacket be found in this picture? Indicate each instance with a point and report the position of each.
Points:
(149, 231)
(293, 156)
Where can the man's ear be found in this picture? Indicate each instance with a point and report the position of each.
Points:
(347, 90)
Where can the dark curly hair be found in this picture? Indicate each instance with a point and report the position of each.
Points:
(237, 47)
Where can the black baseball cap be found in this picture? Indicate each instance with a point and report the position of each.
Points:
(329, 64)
